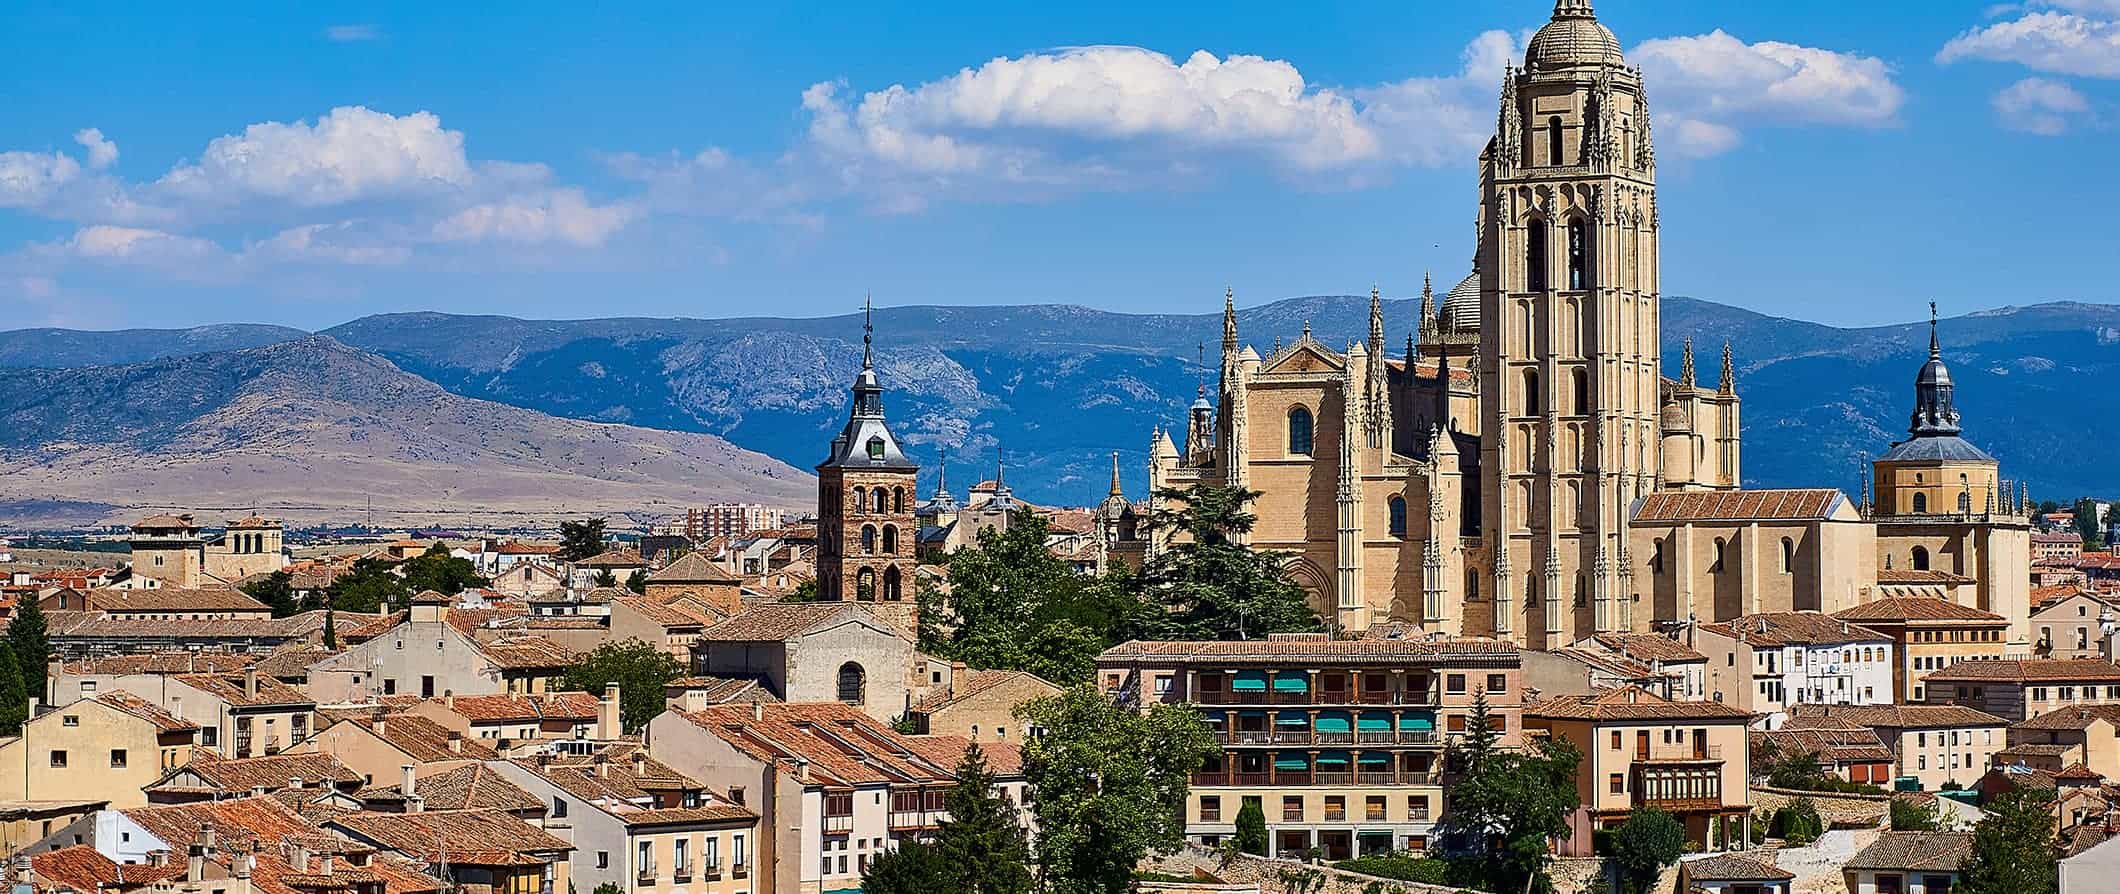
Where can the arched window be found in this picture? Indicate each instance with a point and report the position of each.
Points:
(1716, 566)
(868, 538)
(891, 586)
(1965, 503)
(1299, 432)
(1921, 558)
(1656, 558)
(1582, 393)
(1553, 141)
(882, 500)
(1398, 516)
(861, 499)
(1921, 503)
(1788, 555)
(1578, 255)
(1472, 584)
(890, 540)
(897, 499)
(865, 585)
(853, 683)
(1531, 401)
(1535, 258)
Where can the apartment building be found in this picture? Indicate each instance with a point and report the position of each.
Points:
(1340, 742)
(2087, 735)
(105, 748)
(1931, 745)
(731, 520)
(244, 714)
(2021, 688)
(1929, 634)
(2075, 625)
(1766, 662)
(638, 824)
(428, 656)
(1689, 758)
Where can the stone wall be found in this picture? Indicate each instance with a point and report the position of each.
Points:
(1283, 876)
(1840, 811)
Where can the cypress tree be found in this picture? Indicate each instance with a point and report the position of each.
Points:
(32, 644)
(1251, 829)
(983, 838)
(14, 700)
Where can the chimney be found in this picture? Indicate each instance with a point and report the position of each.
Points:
(407, 784)
(695, 699)
(802, 770)
(607, 714)
(250, 682)
(640, 763)
(328, 864)
(195, 857)
(246, 866)
(758, 712)
(257, 791)
(603, 765)
(156, 857)
(298, 857)
(206, 836)
(456, 742)
(377, 721)
(294, 782)
(449, 699)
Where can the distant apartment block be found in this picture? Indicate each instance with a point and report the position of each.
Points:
(730, 520)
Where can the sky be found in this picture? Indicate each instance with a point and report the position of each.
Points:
(305, 164)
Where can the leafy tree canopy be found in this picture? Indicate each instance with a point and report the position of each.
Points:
(913, 867)
(276, 590)
(641, 671)
(2013, 846)
(984, 837)
(1507, 804)
(1642, 846)
(1215, 586)
(30, 637)
(441, 572)
(369, 586)
(579, 540)
(1016, 606)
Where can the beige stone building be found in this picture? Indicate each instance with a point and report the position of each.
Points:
(105, 748)
(170, 550)
(2020, 688)
(1691, 759)
(2073, 626)
(980, 706)
(1932, 745)
(1929, 634)
(1524, 470)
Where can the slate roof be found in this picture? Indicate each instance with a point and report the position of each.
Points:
(1943, 448)
(1630, 703)
(1796, 628)
(1740, 505)
(2028, 670)
(1917, 608)
(1914, 851)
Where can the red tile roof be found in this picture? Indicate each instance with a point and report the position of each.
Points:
(1914, 851)
(460, 837)
(2073, 717)
(271, 771)
(976, 683)
(2029, 670)
(1742, 505)
(174, 599)
(146, 710)
(1318, 648)
(83, 869)
(841, 745)
(527, 653)
(421, 739)
(1650, 647)
(239, 823)
(524, 708)
(469, 787)
(781, 621)
(1893, 716)
(233, 689)
(1916, 608)
(1795, 628)
(1631, 703)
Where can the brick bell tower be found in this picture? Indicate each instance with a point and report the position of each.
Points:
(865, 499)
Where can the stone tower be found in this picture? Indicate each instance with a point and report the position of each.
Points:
(866, 500)
(1569, 312)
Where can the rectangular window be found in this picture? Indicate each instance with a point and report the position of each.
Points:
(1210, 809)
(58, 758)
(1497, 683)
(73, 719)
(603, 859)
(1292, 808)
(1373, 808)
(1162, 684)
(1455, 723)
(1335, 808)
(1615, 740)
(1618, 784)
(1454, 683)
(389, 685)
(117, 758)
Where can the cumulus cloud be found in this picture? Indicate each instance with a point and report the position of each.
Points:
(561, 215)
(342, 242)
(101, 152)
(2054, 42)
(135, 245)
(350, 153)
(2041, 106)
(1436, 121)
(32, 179)
(1705, 88)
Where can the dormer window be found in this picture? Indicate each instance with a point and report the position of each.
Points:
(875, 448)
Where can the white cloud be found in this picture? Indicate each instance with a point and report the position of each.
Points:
(561, 215)
(1708, 87)
(135, 245)
(2055, 42)
(2092, 7)
(1437, 121)
(344, 242)
(2041, 106)
(32, 179)
(353, 33)
(101, 152)
(352, 153)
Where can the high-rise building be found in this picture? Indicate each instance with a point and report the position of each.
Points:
(730, 520)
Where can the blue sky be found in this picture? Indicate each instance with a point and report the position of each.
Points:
(305, 164)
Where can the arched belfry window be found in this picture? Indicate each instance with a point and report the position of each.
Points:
(1535, 258)
(868, 538)
(883, 500)
(1398, 516)
(1553, 141)
(1300, 432)
(1578, 255)
(1921, 558)
(853, 683)
(897, 499)
(861, 499)
(890, 539)
(865, 585)
(892, 586)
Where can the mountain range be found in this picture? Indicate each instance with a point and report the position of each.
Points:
(1045, 392)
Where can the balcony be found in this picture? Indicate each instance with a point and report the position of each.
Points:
(711, 873)
(836, 824)
(1249, 779)
(646, 875)
(916, 820)
(1298, 737)
(738, 869)
(1210, 778)
(1334, 777)
(1678, 753)
(681, 873)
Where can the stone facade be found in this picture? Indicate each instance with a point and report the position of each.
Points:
(866, 498)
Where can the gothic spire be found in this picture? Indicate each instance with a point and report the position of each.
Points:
(1685, 365)
(942, 473)
(1116, 492)
(1376, 322)
(1935, 349)
(868, 331)
(1229, 324)
(1729, 373)
(1427, 315)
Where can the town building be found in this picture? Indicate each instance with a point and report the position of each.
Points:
(618, 565)
(979, 706)
(427, 656)
(506, 722)
(639, 825)
(1908, 863)
(2076, 624)
(1851, 753)
(170, 603)
(2019, 688)
(824, 652)
(2056, 544)
(1766, 662)
(867, 491)
(1933, 746)
(476, 851)
(1340, 742)
(207, 777)
(243, 714)
(2088, 735)
(730, 520)
(1733, 874)
(1689, 759)
(105, 748)
(379, 744)
(694, 575)
(1929, 634)
(1652, 661)
(170, 550)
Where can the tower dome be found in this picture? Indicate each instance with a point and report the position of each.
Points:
(1574, 37)
(1461, 308)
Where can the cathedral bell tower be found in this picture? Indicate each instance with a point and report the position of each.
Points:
(1568, 357)
(866, 499)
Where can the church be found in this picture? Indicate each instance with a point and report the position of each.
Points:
(1524, 470)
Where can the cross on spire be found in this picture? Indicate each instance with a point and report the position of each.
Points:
(868, 329)
(1935, 349)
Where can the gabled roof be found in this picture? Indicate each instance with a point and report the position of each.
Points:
(469, 787)
(1631, 703)
(145, 710)
(1813, 504)
(1795, 629)
(186, 662)
(693, 568)
(1914, 851)
(270, 771)
(83, 869)
(2028, 670)
(525, 708)
(725, 689)
(239, 823)
(1649, 647)
(976, 683)
(1834, 744)
(839, 744)
(668, 614)
(1916, 608)
(1280, 650)
(459, 837)
(782, 621)
(1733, 868)
(420, 739)
(174, 599)
(1893, 716)
(614, 558)
(2073, 717)
(232, 688)
(527, 653)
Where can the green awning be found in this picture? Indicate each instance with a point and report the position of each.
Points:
(1332, 723)
(1335, 758)
(1374, 723)
(1287, 683)
(1291, 762)
(1417, 721)
(1249, 681)
(1288, 718)
(1375, 759)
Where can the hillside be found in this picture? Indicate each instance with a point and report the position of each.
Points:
(312, 428)
(1060, 387)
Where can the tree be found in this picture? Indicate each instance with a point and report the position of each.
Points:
(1111, 784)
(1214, 586)
(14, 698)
(913, 867)
(638, 581)
(983, 838)
(607, 888)
(579, 540)
(2013, 846)
(604, 578)
(1642, 846)
(1908, 816)
(441, 572)
(367, 587)
(30, 639)
(1507, 804)
(641, 670)
(2087, 524)
(1251, 829)
(1017, 606)
(1799, 822)
(276, 590)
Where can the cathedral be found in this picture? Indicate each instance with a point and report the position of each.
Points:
(1524, 470)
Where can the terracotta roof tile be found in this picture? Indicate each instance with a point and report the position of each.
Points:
(174, 599)
(527, 653)
(1346, 651)
(974, 684)
(718, 690)
(1741, 505)
(146, 710)
(693, 568)
(2029, 670)
(232, 688)
(1894, 716)
(469, 787)
(666, 615)
(1831, 744)
(239, 823)
(2074, 717)
(1914, 851)
(421, 739)
(1630, 703)
(1733, 868)
(462, 837)
(842, 745)
(1916, 609)
(616, 558)
(83, 869)
(162, 663)
(271, 771)
(1649, 647)
(505, 708)
(1795, 628)
(780, 621)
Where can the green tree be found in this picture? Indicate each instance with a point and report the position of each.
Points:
(14, 697)
(1642, 846)
(641, 670)
(1111, 785)
(1016, 606)
(2013, 846)
(1251, 829)
(607, 888)
(30, 638)
(638, 581)
(604, 578)
(579, 540)
(913, 867)
(984, 835)
(1908, 816)
(1214, 586)
(441, 572)
(1799, 823)
(2086, 510)
(276, 590)
(369, 586)
(1505, 805)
